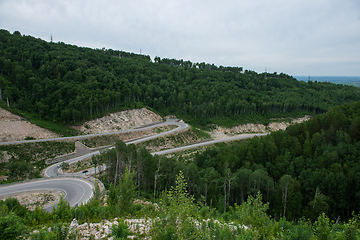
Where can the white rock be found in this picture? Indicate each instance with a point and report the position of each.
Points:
(74, 223)
(83, 226)
(106, 230)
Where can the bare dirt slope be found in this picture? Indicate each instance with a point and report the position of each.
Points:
(221, 132)
(32, 199)
(14, 127)
(120, 121)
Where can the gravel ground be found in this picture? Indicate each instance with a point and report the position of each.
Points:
(120, 121)
(14, 127)
(32, 199)
(221, 133)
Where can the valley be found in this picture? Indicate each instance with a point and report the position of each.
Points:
(200, 151)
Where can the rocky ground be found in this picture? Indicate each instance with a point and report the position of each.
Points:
(221, 132)
(14, 128)
(103, 229)
(138, 228)
(120, 121)
(41, 198)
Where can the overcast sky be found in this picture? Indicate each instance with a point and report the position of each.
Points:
(297, 37)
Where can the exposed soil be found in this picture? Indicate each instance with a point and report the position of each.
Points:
(120, 121)
(14, 128)
(221, 132)
(43, 198)
(177, 139)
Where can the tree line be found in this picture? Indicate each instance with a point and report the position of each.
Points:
(301, 183)
(176, 216)
(66, 83)
(308, 169)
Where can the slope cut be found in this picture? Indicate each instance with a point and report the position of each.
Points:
(14, 128)
(120, 121)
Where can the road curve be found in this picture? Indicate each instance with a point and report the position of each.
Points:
(76, 190)
(181, 125)
(53, 170)
(79, 190)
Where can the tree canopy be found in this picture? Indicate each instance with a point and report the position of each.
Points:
(66, 83)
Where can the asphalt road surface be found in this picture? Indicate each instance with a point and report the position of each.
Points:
(167, 122)
(53, 170)
(242, 136)
(76, 190)
(79, 190)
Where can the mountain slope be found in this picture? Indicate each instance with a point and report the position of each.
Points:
(69, 84)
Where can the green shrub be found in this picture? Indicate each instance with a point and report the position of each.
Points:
(120, 231)
(11, 227)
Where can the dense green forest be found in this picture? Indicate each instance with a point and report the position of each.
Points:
(301, 183)
(65, 83)
(308, 169)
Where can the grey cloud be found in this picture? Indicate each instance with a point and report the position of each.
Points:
(299, 37)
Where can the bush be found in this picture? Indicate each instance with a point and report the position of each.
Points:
(11, 227)
(120, 231)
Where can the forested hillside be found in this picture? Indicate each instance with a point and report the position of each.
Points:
(308, 169)
(65, 83)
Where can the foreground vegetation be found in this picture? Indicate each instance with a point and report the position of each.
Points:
(177, 216)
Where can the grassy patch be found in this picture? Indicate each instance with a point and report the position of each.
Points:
(80, 165)
(164, 128)
(100, 141)
(175, 140)
(33, 153)
(186, 155)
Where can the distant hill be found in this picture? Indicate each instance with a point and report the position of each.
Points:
(69, 84)
(345, 80)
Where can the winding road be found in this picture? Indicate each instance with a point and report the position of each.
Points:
(242, 136)
(78, 189)
(75, 190)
